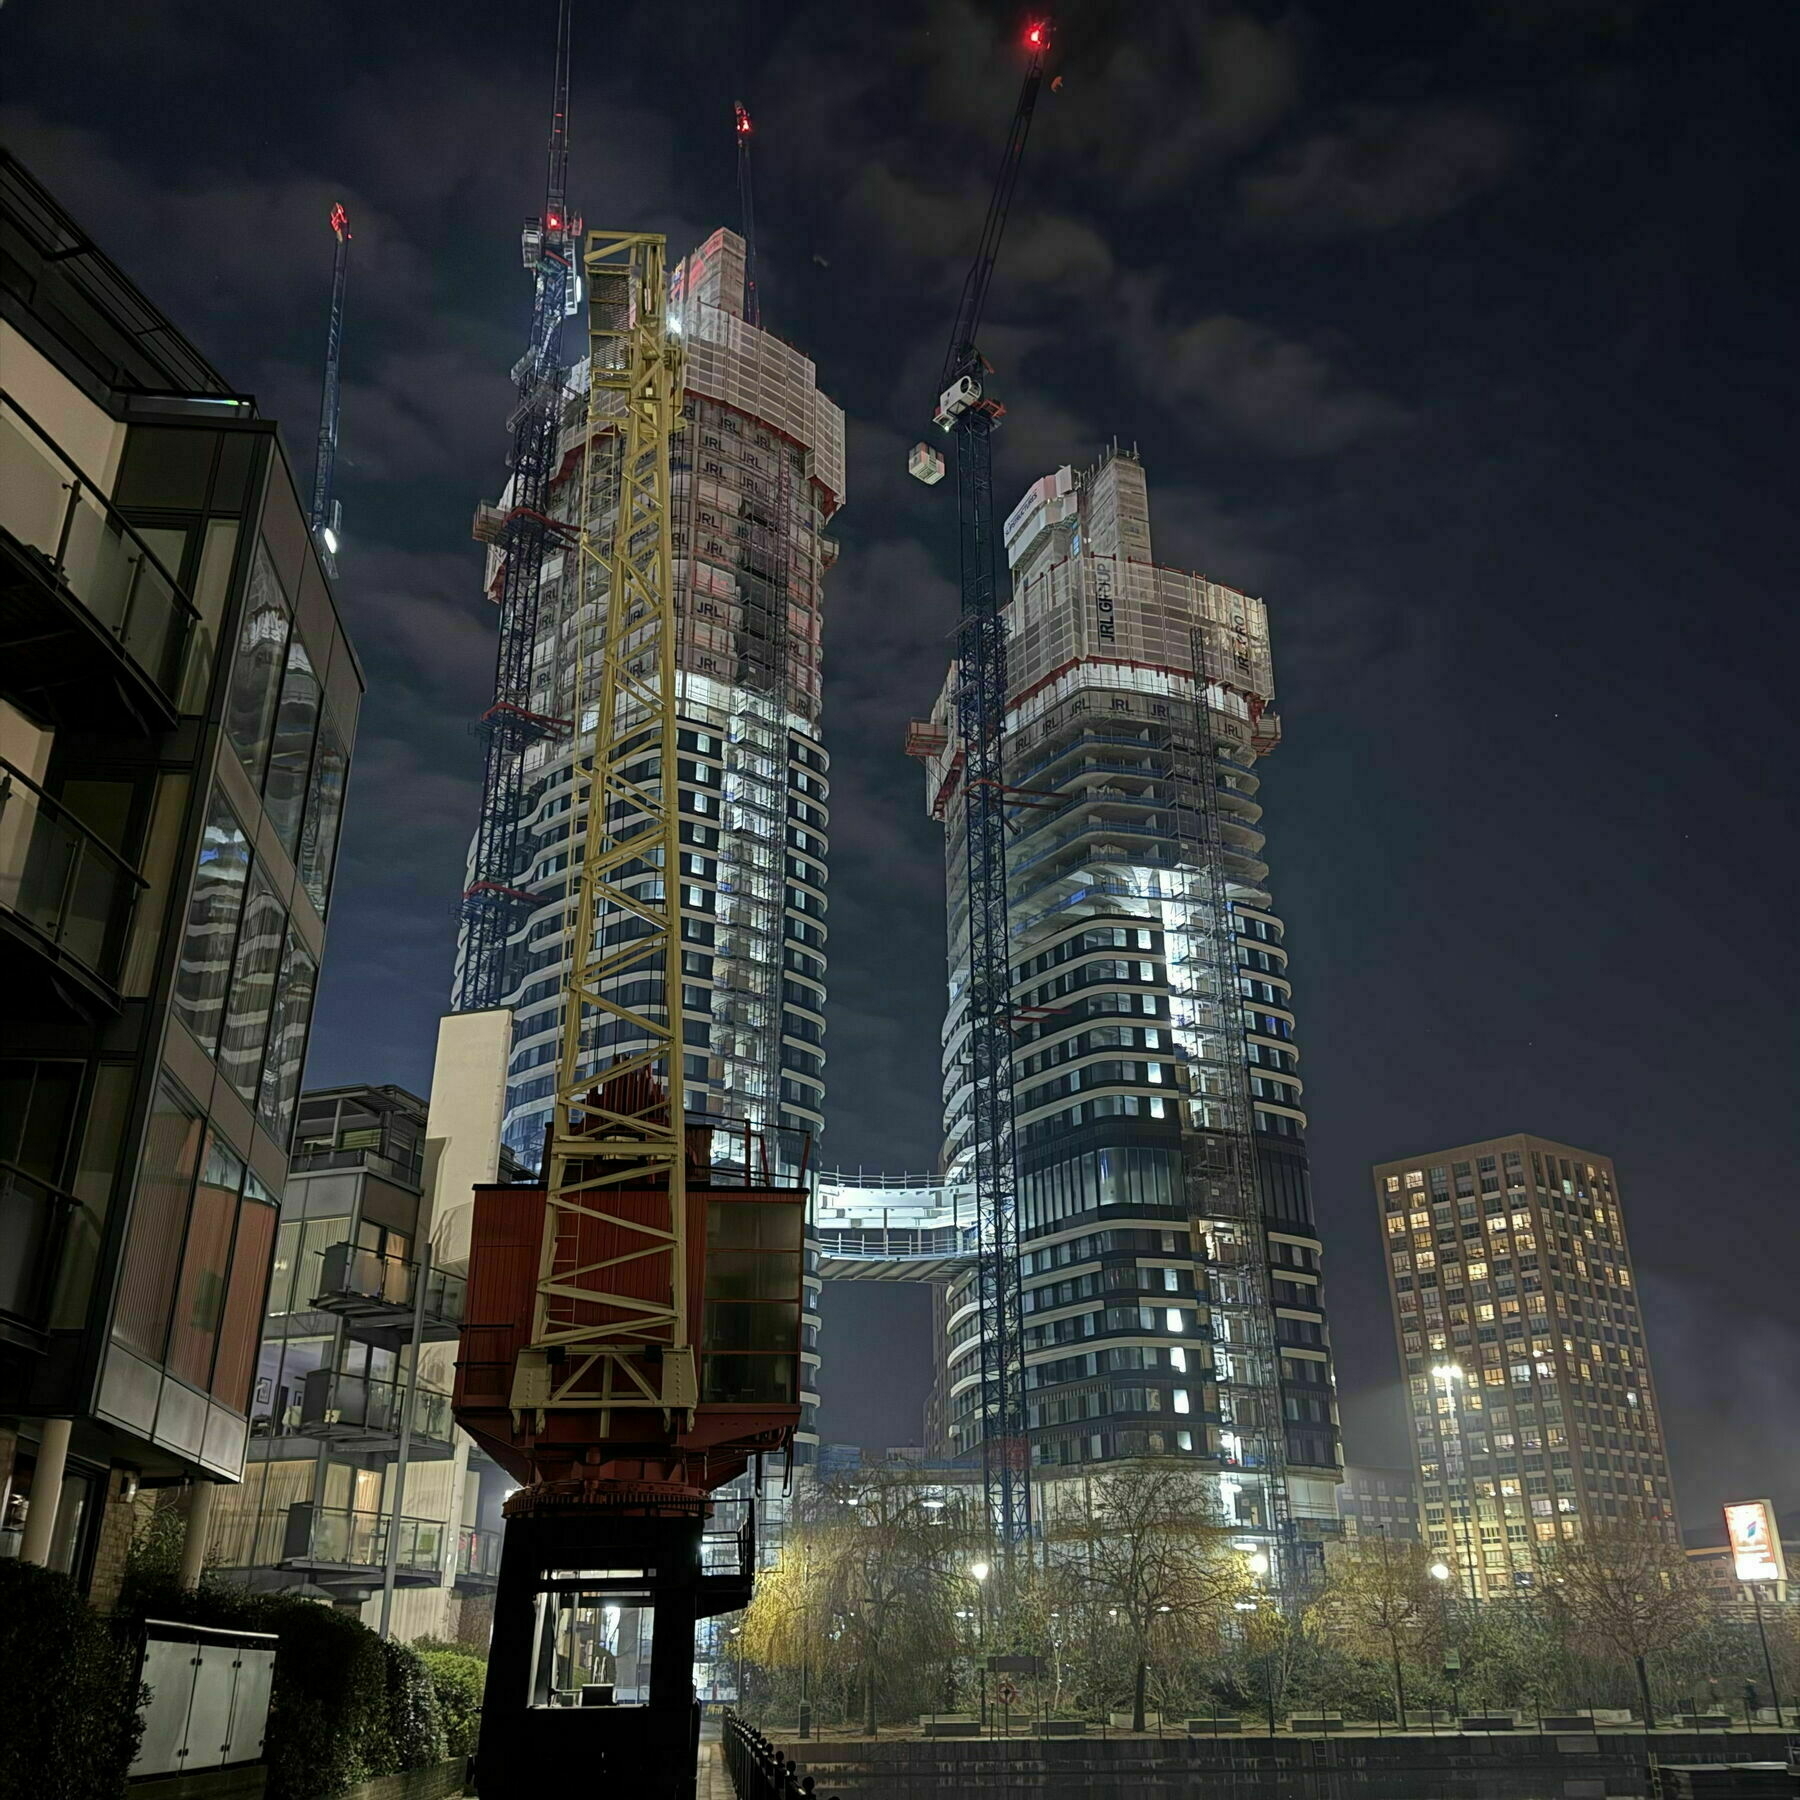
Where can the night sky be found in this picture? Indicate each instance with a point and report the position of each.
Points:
(1462, 333)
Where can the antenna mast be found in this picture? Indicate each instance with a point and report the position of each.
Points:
(747, 210)
(326, 516)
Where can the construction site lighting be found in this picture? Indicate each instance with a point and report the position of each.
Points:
(979, 1570)
(1447, 1371)
(1259, 1564)
(1440, 1571)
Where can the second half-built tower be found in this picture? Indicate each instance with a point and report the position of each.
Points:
(1169, 1262)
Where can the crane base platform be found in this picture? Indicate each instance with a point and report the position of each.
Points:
(591, 1668)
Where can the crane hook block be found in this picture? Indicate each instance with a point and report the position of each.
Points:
(925, 463)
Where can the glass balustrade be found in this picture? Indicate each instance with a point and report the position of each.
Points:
(90, 549)
(60, 879)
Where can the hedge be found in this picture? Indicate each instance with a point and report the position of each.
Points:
(68, 1692)
(460, 1680)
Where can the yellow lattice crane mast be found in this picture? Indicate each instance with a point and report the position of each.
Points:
(622, 1006)
(632, 1335)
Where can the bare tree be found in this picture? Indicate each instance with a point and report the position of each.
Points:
(1144, 1549)
(1628, 1592)
(866, 1587)
(1379, 1600)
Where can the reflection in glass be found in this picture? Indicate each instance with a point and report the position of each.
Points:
(252, 995)
(592, 1649)
(287, 1041)
(256, 671)
(202, 975)
(290, 761)
(324, 809)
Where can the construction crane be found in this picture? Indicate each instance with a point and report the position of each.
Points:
(747, 210)
(326, 516)
(968, 413)
(520, 533)
(632, 1342)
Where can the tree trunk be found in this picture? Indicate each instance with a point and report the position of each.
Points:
(1643, 1676)
(1137, 1694)
(1399, 1693)
(870, 1724)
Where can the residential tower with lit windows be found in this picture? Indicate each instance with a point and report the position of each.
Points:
(1533, 1412)
(1154, 1015)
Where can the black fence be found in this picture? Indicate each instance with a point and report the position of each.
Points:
(758, 1770)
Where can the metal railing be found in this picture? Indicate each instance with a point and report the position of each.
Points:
(335, 1405)
(34, 1218)
(757, 1768)
(323, 1537)
(73, 889)
(349, 1272)
(91, 551)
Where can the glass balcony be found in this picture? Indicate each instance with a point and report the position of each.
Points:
(91, 556)
(327, 1537)
(378, 1295)
(477, 1558)
(72, 891)
(363, 1412)
(34, 1216)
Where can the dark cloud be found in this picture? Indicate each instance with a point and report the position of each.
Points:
(1382, 167)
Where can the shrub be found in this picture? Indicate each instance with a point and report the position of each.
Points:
(69, 1687)
(459, 1681)
(415, 1722)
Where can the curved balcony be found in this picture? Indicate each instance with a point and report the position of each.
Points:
(95, 626)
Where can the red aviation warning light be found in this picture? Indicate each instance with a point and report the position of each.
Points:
(340, 221)
(1037, 34)
(742, 117)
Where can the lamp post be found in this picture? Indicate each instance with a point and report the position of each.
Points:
(980, 1572)
(1451, 1376)
(1440, 1573)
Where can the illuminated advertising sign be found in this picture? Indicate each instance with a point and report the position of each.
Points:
(1755, 1543)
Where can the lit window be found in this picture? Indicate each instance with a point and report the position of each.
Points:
(1181, 1400)
(1172, 1318)
(1415, 1178)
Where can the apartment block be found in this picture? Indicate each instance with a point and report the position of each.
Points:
(1533, 1412)
(177, 705)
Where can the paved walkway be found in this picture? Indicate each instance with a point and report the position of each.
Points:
(712, 1782)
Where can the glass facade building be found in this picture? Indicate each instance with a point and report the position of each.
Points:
(1154, 1011)
(177, 705)
(1533, 1412)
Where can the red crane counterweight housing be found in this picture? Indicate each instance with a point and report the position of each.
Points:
(744, 1268)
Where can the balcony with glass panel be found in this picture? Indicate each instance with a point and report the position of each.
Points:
(66, 896)
(378, 1296)
(365, 1413)
(96, 627)
(34, 1221)
(477, 1560)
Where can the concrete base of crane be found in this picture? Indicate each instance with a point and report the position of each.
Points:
(591, 1667)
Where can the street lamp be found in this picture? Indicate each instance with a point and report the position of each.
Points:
(980, 1571)
(1440, 1573)
(1451, 1375)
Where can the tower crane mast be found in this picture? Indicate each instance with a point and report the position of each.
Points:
(520, 532)
(325, 514)
(968, 414)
